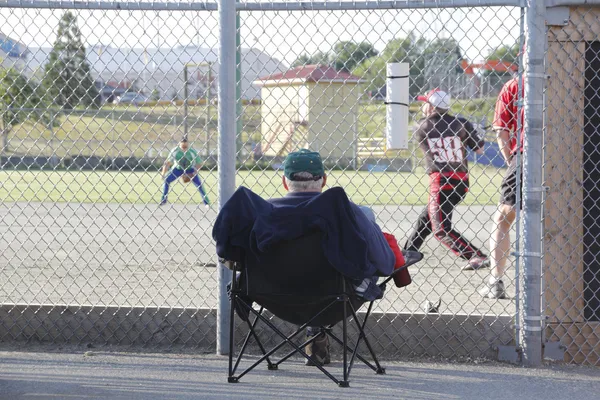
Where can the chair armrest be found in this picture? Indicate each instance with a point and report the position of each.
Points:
(410, 258)
(226, 263)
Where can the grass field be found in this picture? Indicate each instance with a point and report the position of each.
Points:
(138, 131)
(145, 187)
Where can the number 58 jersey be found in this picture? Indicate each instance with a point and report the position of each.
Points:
(444, 140)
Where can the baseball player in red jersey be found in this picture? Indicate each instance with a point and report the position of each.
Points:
(507, 119)
(444, 140)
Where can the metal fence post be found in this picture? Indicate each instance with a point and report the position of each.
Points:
(207, 120)
(238, 86)
(4, 133)
(227, 151)
(532, 182)
(185, 101)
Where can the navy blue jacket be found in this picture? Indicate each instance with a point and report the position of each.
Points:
(353, 245)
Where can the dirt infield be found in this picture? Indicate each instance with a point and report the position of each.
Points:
(115, 254)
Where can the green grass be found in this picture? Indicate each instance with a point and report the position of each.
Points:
(131, 131)
(145, 187)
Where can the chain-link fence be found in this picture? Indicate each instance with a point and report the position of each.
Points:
(94, 101)
(571, 253)
(92, 106)
(331, 99)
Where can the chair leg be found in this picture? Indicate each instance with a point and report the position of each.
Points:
(270, 365)
(379, 370)
(361, 358)
(252, 333)
(286, 339)
(231, 338)
(362, 336)
(345, 382)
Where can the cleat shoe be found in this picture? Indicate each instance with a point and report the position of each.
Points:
(494, 290)
(476, 263)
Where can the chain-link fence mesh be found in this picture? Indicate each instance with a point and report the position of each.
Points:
(92, 106)
(571, 167)
(329, 95)
(94, 101)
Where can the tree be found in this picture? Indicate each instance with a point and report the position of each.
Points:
(347, 55)
(448, 51)
(442, 59)
(68, 80)
(20, 99)
(320, 58)
(505, 53)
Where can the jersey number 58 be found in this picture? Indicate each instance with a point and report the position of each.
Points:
(446, 149)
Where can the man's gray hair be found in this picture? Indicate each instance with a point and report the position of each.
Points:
(304, 186)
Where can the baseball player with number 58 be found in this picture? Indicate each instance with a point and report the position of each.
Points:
(444, 140)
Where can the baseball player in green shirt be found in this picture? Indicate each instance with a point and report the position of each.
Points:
(183, 161)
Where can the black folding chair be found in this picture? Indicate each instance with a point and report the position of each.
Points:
(295, 282)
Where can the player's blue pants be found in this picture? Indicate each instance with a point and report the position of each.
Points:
(176, 173)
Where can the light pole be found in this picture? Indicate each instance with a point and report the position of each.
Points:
(185, 100)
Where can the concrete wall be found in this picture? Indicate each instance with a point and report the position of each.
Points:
(392, 335)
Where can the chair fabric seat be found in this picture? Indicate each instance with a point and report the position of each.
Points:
(294, 281)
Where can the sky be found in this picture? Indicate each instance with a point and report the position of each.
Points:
(283, 35)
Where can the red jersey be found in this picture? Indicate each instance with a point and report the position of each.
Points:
(505, 114)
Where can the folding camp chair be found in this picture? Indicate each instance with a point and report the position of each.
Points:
(295, 282)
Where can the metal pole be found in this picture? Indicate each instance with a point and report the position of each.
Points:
(532, 183)
(518, 320)
(51, 144)
(261, 6)
(185, 101)
(208, 109)
(4, 134)
(238, 86)
(355, 143)
(226, 162)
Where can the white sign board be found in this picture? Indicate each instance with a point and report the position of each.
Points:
(397, 106)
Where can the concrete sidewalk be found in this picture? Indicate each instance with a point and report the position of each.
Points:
(49, 372)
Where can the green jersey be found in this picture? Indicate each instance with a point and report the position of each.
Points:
(184, 159)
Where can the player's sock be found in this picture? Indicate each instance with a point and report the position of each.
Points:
(165, 194)
(198, 184)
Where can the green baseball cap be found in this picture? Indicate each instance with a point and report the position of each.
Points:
(303, 160)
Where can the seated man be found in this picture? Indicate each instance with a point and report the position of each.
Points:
(304, 177)
(354, 244)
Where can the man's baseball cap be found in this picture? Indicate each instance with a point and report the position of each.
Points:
(303, 160)
(437, 98)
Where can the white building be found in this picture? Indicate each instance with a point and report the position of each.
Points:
(161, 69)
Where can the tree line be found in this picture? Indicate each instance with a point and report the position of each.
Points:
(67, 82)
(363, 60)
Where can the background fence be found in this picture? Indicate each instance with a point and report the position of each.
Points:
(86, 253)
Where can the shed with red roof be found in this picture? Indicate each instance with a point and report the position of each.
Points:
(311, 106)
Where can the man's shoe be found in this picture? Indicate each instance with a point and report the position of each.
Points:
(476, 263)
(319, 350)
(494, 291)
(162, 203)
